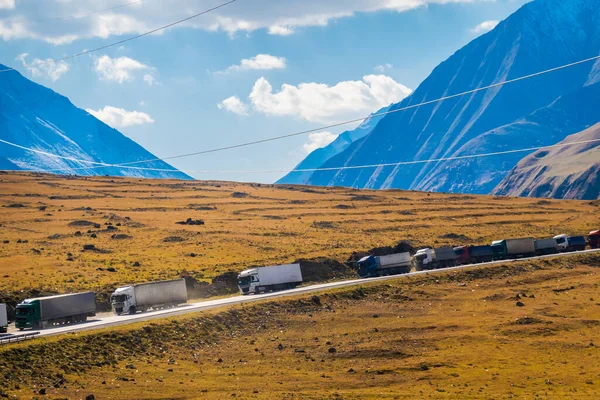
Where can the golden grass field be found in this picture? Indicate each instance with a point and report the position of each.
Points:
(449, 335)
(245, 225)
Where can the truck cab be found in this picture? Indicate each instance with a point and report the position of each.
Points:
(123, 300)
(562, 243)
(366, 266)
(27, 315)
(463, 256)
(248, 281)
(499, 249)
(594, 239)
(423, 258)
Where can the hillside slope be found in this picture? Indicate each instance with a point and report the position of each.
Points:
(36, 117)
(571, 172)
(542, 34)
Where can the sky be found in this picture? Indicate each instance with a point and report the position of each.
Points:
(250, 70)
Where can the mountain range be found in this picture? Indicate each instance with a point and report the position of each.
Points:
(535, 112)
(37, 118)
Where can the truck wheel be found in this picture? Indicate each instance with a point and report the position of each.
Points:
(132, 310)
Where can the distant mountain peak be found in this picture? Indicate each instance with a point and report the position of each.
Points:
(540, 111)
(36, 117)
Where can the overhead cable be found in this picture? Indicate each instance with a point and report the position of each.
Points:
(51, 61)
(348, 167)
(304, 132)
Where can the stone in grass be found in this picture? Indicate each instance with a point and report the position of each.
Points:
(520, 304)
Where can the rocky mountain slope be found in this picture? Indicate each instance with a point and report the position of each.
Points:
(319, 156)
(571, 172)
(540, 111)
(36, 117)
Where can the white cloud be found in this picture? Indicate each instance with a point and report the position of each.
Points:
(317, 102)
(234, 104)
(282, 18)
(121, 69)
(120, 118)
(7, 4)
(149, 79)
(259, 62)
(484, 27)
(280, 30)
(46, 68)
(318, 140)
(384, 67)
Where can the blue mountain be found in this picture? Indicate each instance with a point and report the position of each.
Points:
(319, 156)
(36, 117)
(539, 111)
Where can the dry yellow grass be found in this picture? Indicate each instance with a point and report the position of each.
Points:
(244, 225)
(449, 335)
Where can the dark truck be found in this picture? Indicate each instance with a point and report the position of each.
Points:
(391, 264)
(473, 254)
(55, 310)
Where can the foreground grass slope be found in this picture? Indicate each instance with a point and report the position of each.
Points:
(47, 220)
(521, 330)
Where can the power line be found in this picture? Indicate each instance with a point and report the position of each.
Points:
(218, 149)
(128, 164)
(127, 39)
(349, 167)
(77, 16)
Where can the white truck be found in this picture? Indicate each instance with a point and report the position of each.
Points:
(3, 319)
(391, 264)
(441, 257)
(263, 279)
(146, 296)
(570, 243)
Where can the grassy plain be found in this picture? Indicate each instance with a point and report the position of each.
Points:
(450, 335)
(46, 220)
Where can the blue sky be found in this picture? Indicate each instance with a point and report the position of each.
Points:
(217, 80)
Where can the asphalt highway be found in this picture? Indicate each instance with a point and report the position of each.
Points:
(105, 320)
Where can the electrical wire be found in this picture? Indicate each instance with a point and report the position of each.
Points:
(271, 139)
(50, 61)
(128, 164)
(349, 167)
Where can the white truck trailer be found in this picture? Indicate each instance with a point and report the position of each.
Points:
(391, 264)
(3, 319)
(263, 279)
(150, 295)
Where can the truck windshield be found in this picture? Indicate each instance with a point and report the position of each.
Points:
(560, 240)
(245, 280)
(119, 298)
(24, 311)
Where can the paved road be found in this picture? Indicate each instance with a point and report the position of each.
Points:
(106, 320)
